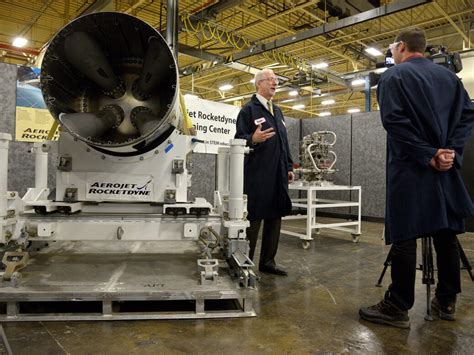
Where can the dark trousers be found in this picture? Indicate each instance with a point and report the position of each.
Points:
(403, 255)
(270, 239)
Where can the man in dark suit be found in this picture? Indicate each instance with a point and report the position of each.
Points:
(267, 169)
(428, 117)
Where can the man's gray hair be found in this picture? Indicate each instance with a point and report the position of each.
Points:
(260, 75)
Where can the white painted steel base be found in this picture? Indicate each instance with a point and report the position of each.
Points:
(107, 281)
(312, 203)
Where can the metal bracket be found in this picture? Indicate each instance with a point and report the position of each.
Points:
(70, 195)
(65, 163)
(14, 261)
(208, 268)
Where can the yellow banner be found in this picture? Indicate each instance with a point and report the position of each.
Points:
(33, 124)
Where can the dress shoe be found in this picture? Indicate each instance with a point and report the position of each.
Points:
(273, 270)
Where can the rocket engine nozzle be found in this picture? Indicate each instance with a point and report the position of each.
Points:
(111, 80)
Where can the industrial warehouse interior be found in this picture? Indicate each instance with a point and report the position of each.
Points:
(146, 146)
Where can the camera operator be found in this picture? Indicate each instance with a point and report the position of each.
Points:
(428, 117)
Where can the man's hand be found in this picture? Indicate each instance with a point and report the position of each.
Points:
(443, 160)
(260, 136)
(291, 177)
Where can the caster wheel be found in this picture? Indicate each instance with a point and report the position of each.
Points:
(355, 238)
(306, 244)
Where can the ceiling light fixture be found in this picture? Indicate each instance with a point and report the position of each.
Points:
(298, 106)
(373, 51)
(323, 114)
(225, 87)
(320, 65)
(328, 102)
(293, 93)
(19, 42)
(272, 65)
(353, 110)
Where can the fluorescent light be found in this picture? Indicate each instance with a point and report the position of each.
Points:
(298, 106)
(19, 42)
(322, 114)
(328, 102)
(358, 82)
(225, 87)
(191, 96)
(252, 81)
(380, 70)
(293, 93)
(272, 65)
(353, 110)
(373, 51)
(320, 65)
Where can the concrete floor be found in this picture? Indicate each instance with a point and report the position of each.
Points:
(313, 310)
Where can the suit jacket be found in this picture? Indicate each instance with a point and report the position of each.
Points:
(266, 167)
(423, 107)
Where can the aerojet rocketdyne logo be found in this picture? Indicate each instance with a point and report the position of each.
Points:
(118, 188)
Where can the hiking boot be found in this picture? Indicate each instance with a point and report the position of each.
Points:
(385, 312)
(445, 310)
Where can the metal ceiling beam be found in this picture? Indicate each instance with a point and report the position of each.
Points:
(455, 26)
(333, 77)
(98, 6)
(226, 4)
(199, 53)
(9, 48)
(265, 47)
(275, 16)
(136, 5)
(417, 24)
(350, 47)
(212, 11)
(34, 19)
(329, 27)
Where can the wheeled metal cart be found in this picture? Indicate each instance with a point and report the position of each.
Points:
(312, 203)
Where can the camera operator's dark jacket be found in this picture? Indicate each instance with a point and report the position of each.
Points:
(266, 167)
(424, 107)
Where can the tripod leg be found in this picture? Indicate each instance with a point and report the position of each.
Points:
(428, 272)
(428, 315)
(387, 263)
(464, 260)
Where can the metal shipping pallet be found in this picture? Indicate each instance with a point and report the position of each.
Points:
(65, 285)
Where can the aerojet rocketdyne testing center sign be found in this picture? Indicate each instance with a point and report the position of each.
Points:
(214, 123)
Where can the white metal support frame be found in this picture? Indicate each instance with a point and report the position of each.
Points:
(5, 139)
(312, 203)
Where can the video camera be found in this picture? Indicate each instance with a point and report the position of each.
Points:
(439, 55)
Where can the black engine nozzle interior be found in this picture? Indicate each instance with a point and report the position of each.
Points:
(102, 69)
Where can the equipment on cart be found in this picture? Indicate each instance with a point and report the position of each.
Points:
(317, 158)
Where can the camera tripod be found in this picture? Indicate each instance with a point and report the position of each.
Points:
(427, 268)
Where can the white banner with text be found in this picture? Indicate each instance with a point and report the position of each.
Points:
(214, 123)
